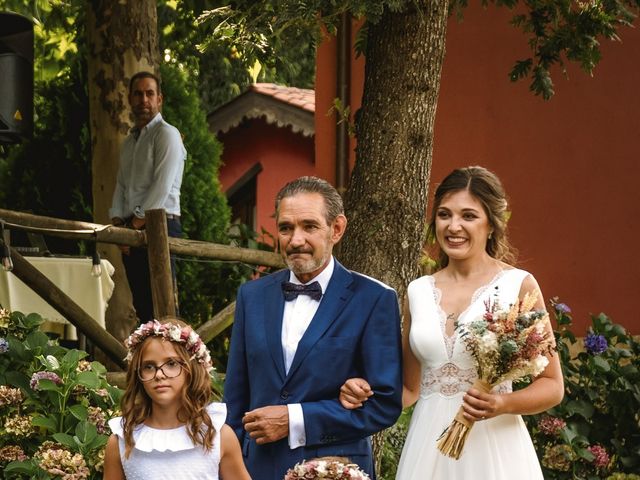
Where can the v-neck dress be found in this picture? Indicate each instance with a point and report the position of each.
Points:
(496, 448)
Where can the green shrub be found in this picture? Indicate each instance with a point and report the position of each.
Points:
(54, 405)
(595, 432)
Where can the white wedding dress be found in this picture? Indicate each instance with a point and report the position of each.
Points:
(497, 448)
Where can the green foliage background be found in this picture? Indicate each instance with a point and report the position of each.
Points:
(51, 174)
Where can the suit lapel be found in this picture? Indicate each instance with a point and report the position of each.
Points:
(333, 301)
(274, 308)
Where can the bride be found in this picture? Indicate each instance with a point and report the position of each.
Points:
(469, 225)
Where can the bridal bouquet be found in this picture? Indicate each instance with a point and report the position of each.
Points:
(506, 345)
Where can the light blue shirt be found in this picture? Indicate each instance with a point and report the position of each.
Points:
(150, 172)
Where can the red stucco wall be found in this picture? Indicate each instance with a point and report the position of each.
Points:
(570, 165)
(284, 156)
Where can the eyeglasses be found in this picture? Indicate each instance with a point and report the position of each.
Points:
(170, 369)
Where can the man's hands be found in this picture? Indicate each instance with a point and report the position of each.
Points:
(135, 223)
(354, 392)
(267, 424)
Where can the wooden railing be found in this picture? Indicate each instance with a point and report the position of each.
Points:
(159, 244)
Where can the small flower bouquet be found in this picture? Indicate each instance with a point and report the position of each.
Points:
(329, 468)
(506, 345)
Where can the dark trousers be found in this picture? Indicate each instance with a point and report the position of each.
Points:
(136, 265)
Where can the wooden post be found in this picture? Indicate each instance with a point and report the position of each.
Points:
(160, 263)
(39, 283)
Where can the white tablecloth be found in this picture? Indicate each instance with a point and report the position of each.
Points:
(73, 277)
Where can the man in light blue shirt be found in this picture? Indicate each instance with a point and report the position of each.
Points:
(149, 177)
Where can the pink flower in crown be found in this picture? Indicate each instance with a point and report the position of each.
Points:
(175, 334)
(184, 334)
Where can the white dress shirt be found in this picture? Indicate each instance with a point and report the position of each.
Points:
(297, 316)
(150, 171)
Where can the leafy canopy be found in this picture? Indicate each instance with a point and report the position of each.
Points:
(558, 30)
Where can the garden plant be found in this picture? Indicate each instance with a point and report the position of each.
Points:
(595, 432)
(54, 405)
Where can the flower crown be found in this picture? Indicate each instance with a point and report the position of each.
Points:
(326, 469)
(174, 333)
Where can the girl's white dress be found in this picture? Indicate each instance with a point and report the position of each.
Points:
(170, 454)
(495, 449)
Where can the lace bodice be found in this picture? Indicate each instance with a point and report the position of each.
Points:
(447, 368)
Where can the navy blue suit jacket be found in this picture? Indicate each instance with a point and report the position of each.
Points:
(354, 333)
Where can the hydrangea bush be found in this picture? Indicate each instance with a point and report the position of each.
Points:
(54, 405)
(595, 432)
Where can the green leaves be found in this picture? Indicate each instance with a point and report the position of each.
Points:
(79, 411)
(49, 423)
(86, 438)
(69, 403)
(88, 379)
(601, 402)
(580, 407)
(560, 30)
(600, 364)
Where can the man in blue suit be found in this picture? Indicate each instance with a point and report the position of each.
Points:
(299, 334)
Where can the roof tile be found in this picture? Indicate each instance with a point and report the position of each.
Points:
(298, 97)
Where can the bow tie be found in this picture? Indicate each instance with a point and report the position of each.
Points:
(292, 290)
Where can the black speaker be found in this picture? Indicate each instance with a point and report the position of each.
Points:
(16, 77)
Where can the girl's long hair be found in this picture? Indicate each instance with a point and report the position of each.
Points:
(194, 397)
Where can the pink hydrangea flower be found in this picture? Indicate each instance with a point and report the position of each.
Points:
(36, 377)
(551, 425)
(601, 457)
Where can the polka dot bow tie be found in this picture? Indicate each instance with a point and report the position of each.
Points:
(292, 290)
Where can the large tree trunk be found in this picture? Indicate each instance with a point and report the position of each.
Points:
(122, 39)
(387, 199)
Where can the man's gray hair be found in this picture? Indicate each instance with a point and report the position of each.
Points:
(332, 199)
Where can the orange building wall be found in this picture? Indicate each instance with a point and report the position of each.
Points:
(284, 156)
(570, 165)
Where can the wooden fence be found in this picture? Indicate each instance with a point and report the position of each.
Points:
(160, 246)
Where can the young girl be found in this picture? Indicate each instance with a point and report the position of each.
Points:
(168, 428)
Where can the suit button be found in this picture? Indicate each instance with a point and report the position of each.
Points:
(284, 395)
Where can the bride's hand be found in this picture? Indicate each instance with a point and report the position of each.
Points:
(354, 392)
(478, 405)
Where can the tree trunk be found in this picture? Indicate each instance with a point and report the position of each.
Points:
(122, 39)
(388, 190)
(387, 199)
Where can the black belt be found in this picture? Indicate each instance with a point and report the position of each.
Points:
(171, 216)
